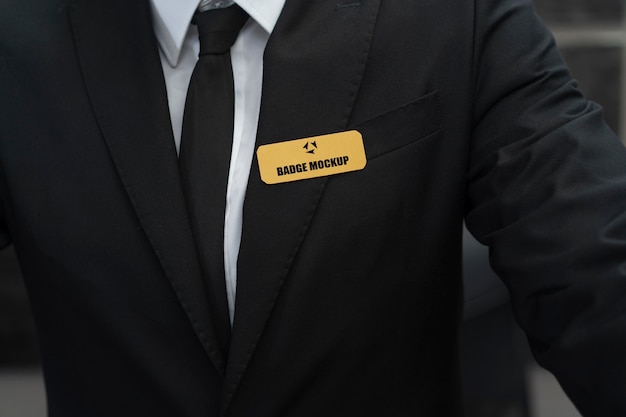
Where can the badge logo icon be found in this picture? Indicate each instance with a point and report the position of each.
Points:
(312, 145)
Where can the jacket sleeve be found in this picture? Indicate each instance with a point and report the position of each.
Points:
(547, 194)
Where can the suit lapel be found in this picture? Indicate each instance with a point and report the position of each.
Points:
(313, 65)
(121, 69)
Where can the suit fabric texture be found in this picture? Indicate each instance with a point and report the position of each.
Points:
(349, 290)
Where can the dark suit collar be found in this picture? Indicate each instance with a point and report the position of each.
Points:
(123, 77)
(313, 66)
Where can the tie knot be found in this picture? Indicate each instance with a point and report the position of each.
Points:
(218, 28)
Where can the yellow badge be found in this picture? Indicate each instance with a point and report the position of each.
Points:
(313, 157)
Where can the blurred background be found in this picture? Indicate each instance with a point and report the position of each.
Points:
(500, 376)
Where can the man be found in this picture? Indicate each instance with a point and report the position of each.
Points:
(344, 290)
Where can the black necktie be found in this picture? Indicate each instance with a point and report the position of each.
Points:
(206, 148)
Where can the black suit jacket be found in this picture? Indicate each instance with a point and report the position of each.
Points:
(348, 294)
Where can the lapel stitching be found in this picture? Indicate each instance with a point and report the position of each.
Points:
(277, 218)
(122, 75)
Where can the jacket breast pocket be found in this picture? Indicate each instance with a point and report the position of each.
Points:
(401, 126)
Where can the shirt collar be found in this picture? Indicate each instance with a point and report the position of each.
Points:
(171, 20)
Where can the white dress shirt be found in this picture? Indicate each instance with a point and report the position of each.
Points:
(179, 45)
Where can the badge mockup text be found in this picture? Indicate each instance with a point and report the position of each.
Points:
(313, 157)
